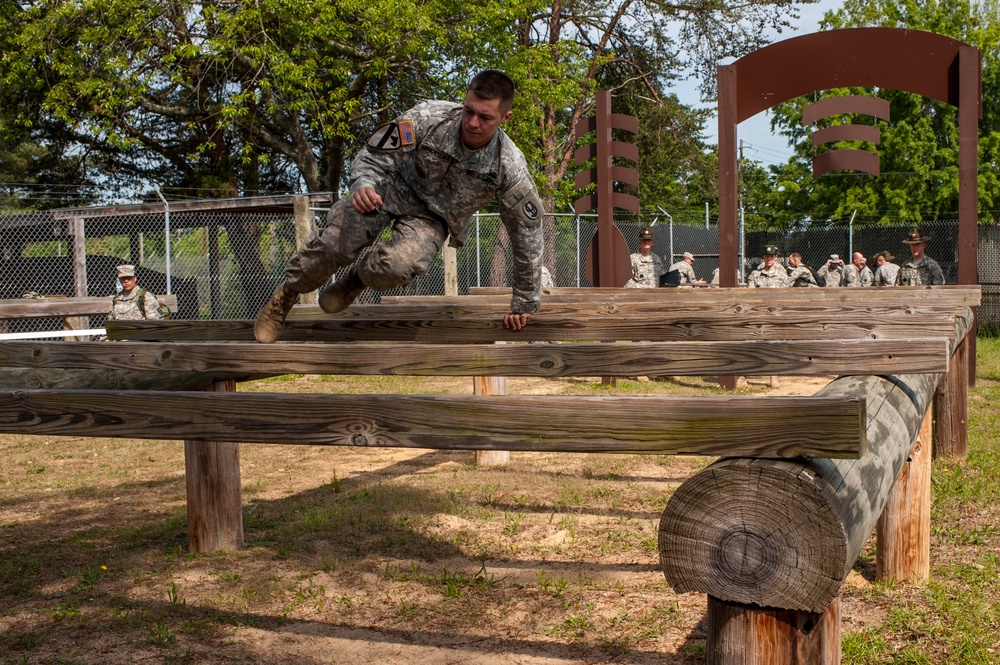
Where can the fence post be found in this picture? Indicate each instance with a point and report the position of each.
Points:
(303, 229)
(903, 530)
(490, 385)
(212, 474)
(79, 271)
(753, 635)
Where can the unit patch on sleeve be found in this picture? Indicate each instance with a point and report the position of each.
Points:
(406, 132)
(387, 137)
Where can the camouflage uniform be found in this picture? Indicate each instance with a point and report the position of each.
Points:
(854, 277)
(801, 276)
(686, 271)
(885, 274)
(547, 281)
(768, 278)
(646, 271)
(925, 272)
(831, 276)
(127, 307)
(430, 185)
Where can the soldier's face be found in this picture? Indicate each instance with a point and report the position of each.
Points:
(917, 249)
(769, 259)
(645, 246)
(480, 120)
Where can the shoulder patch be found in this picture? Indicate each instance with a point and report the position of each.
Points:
(386, 138)
(530, 209)
(406, 132)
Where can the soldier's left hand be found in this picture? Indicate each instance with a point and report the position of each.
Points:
(515, 321)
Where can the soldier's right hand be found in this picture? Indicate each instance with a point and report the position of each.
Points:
(366, 200)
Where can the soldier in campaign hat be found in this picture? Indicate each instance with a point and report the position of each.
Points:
(885, 269)
(919, 269)
(769, 274)
(646, 266)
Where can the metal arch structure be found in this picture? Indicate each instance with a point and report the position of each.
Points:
(915, 61)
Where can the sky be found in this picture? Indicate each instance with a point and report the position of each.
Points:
(759, 143)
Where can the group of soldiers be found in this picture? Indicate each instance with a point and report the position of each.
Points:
(917, 270)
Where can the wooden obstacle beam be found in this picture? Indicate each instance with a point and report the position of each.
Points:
(755, 357)
(764, 538)
(58, 307)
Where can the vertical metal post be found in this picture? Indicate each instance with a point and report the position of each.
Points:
(479, 262)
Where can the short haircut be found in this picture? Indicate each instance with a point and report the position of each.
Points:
(795, 255)
(493, 84)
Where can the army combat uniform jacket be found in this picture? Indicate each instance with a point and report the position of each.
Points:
(421, 168)
(855, 277)
(925, 272)
(686, 271)
(885, 274)
(768, 278)
(130, 308)
(801, 276)
(646, 271)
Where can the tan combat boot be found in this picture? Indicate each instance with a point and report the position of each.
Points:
(339, 295)
(267, 327)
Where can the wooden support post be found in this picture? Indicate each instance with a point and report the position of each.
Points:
(303, 229)
(214, 508)
(751, 635)
(903, 532)
(449, 256)
(951, 406)
(79, 269)
(491, 385)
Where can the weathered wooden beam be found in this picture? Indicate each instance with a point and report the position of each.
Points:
(756, 357)
(785, 533)
(36, 308)
(746, 426)
(19, 378)
(542, 328)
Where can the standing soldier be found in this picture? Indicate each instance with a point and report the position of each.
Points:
(885, 270)
(424, 174)
(919, 269)
(133, 303)
(646, 266)
(832, 272)
(770, 274)
(799, 274)
(857, 273)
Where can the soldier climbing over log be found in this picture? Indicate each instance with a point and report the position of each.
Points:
(424, 174)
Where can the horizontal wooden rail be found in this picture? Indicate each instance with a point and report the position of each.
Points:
(542, 328)
(757, 357)
(45, 307)
(762, 427)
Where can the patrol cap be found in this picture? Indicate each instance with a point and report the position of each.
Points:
(689, 255)
(645, 233)
(915, 236)
(126, 270)
(835, 258)
(770, 249)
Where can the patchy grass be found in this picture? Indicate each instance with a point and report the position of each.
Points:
(383, 555)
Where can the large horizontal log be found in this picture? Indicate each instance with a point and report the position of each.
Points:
(746, 426)
(35, 308)
(541, 328)
(757, 357)
(785, 534)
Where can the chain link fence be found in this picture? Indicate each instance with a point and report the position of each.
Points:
(224, 265)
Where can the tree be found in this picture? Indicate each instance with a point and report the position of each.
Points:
(919, 148)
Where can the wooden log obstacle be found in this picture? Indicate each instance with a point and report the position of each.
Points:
(768, 532)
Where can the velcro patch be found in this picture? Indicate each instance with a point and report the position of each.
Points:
(530, 210)
(406, 132)
(386, 138)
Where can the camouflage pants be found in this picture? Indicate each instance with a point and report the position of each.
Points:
(408, 253)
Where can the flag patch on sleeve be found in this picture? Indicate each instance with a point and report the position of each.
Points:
(406, 132)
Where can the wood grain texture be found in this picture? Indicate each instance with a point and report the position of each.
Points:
(903, 530)
(744, 426)
(951, 406)
(19, 378)
(33, 308)
(756, 357)
(751, 635)
(785, 533)
(542, 328)
(212, 478)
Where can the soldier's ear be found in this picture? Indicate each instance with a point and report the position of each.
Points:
(506, 117)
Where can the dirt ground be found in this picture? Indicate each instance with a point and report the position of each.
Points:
(351, 556)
